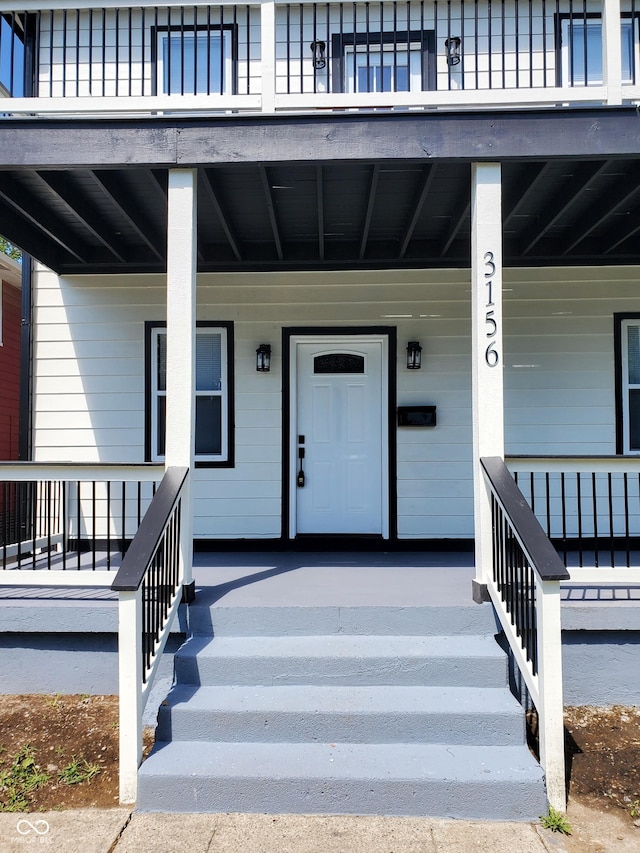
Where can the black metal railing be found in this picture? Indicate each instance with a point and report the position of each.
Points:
(152, 564)
(315, 48)
(69, 525)
(523, 556)
(591, 516)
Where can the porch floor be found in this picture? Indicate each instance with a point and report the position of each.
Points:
(336, 578)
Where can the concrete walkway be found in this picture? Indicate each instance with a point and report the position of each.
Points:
(119, 831)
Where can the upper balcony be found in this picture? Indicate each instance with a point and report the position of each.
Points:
(267, 57)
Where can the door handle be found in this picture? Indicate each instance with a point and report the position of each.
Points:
(300, 476)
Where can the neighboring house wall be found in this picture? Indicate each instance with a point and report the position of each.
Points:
(10, 317)
(89, 377)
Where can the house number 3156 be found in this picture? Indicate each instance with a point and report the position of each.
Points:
(491, 354)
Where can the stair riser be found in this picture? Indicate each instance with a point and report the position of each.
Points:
(487, 799)
(302, 621)
(491, 729)
(445, 672)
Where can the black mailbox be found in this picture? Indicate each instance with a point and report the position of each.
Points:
(416, 416)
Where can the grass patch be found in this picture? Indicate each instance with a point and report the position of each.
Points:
(19, 780)
(78, 770)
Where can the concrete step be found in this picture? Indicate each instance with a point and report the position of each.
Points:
(209, 618)
(342, 659)
(443, 780)
(307, 713)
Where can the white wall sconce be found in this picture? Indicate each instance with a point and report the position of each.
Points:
(263, 358)
(414, 355)
(319, 51)
(452, 48)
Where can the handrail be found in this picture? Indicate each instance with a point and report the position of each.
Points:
(145, 543)
(544, 557)
(148, 585)
(524, 587)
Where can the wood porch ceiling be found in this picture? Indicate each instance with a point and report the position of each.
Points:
(265, 214)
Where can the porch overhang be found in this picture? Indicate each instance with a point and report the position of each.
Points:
(339, 191)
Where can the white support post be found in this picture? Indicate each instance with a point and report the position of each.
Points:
(181, 337)
(486, 338)
(612, 51)
(550, 701)
(268, 59)
(130, 681)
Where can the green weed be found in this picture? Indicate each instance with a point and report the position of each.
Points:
(556, 821)
(78, 770)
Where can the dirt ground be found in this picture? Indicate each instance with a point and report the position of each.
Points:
(70, 737)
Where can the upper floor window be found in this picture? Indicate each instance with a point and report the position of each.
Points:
(213, 392)
(11, 56)
(195, 61)
(383, 62)
(628, 384)
(582, 50)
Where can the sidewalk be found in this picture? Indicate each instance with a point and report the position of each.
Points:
(119, 831)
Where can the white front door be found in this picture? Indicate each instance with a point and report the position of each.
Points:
(339, 454)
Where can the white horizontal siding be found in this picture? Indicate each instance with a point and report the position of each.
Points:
(89, 376)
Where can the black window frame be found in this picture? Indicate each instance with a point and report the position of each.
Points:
(228, 326)
(157, 31)
(582, 18)
(425, 38)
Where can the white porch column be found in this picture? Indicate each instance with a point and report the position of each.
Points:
(268, 61)
(486, 337)
(181, 334)
(612, 51)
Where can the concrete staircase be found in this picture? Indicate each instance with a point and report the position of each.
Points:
(356, 710)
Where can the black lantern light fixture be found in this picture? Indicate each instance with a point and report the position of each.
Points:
(263, 358)
(319, 52)
(414, 355)
(452, 48)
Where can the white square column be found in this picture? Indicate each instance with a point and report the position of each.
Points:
(181, 338)
(486, 352)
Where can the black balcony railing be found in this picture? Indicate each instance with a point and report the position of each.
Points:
(592, 514)
(69, 525)
(407, 51)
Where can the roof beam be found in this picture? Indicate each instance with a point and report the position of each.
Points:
(530, 177)
(619, 196)
(27, 207)
(577, 184)
(22, 233)
(206, 177)
(371, 200)
(112, 187)
(428, 174)
(532, 135)
(266, 187)
(59, 183)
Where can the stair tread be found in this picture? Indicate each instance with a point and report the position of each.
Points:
(340, 761)
(347, 645)
(365, 699)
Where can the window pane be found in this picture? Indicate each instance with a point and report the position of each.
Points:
(162, 361)
(161, 423)
(208, 361)
(627, 52)
(633, 354)
(586, 52)
(208, 425)
(591, 42)
(634, 419)
(193, 64)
